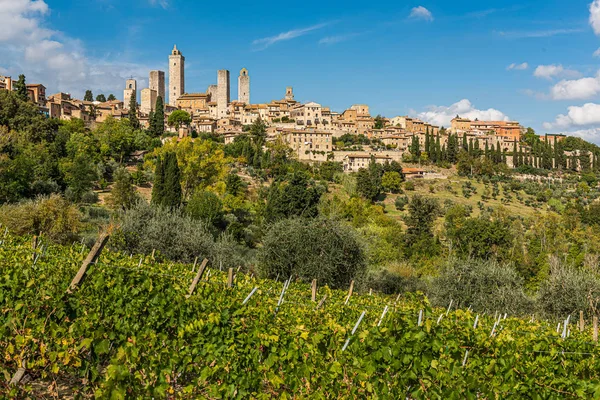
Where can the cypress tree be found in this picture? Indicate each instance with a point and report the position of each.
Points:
(427, 142)
(151, 122)
(487, 150)
(438, 149)
(476, 151)
(159, 117)
(465, 145)
(470, 147)
(514, 155)
(444, 155)
(498, 156)
(172, 183)
(159, 183)
(21, 88)
(133, 109)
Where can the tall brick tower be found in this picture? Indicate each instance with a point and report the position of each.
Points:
(223, 93)
(176, 76)
(130, 88)
(157, 83)
(244, 86)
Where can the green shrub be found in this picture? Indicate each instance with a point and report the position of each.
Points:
(320, 249)
(54, 217)
(487, 286)
(172, 233)
(568, 290)
(401, 202)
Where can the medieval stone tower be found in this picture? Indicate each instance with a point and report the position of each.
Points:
(289, 93)
(223, 92)
(176, 76)
(244, 86)
(130, 87)
(157, 83)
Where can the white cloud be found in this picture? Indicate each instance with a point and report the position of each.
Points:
(52, 58)
(263, 43)
(555, 71)
(537, 34)
(329, 40)
(442, 115)
(421, 13)
(577, 89)
(162, 3)
(584, 116)
(595, 16)
(597, 53)
(517, 67)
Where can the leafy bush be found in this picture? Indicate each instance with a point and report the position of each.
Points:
(173, 234)
(321, 249)
(568, 290)
(401, 202)
(487, 286)
(54, 217)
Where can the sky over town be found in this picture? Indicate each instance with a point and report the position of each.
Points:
(532, 61)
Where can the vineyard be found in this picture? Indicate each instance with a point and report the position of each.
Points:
(131, 329)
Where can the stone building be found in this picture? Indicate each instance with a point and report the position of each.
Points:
(6, 83)
(148, 100)
(37, 94)
(130, 87)
(176, 75)
(194, 103)
(244, 87)
(157, 83)
(289, 93)
(223, 93)
(309, 145)
(212, 93)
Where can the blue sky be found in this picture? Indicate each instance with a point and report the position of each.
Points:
(531, 61)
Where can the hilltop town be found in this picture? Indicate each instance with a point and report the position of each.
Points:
(312, 130)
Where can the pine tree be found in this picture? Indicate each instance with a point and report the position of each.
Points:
(111, 97)
(89, 96)
(101, 98)
(158, 188)
(133, 111)
(159, 117)
(172, 184)
(21, 88)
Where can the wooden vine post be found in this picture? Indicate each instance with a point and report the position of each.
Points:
(350, 291)
(18, 375)
(314, 290)
(197, 278)
(90, 259)
(230, 278)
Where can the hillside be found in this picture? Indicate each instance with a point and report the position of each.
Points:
(130, 331)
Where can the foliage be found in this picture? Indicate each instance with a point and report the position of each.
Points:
(486, 286)
(319, 249)
(20, 88)
(167, 190)
(368, 181)
(172, 233)
(179, 118)
(53, 217)
(569, 290)
(89, 96)
(391, 182)
(123, 194)
(133, 111)
(205, 206)
(295, 195)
